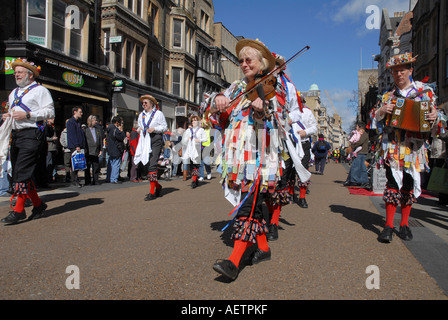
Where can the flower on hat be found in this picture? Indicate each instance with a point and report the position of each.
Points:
(401, 59)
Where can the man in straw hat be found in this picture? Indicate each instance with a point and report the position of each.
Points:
(31, 104)
(403, 152)
(250, 158)
(151, 126)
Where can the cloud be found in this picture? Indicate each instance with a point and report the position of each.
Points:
(355, 10)
(341, 101)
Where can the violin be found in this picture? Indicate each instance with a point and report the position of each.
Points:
(262, 87)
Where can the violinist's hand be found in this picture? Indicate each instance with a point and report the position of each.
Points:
(221, 103)
(257, 104)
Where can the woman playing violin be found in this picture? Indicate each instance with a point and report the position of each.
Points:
(251, 153)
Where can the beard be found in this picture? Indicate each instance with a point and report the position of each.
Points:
(23, 82)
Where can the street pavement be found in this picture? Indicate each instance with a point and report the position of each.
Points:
(106, 243)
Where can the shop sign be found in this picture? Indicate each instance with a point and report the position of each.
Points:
(118, 86)
(6, 65)
(73, 79)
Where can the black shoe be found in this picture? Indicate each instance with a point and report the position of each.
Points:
(386, 235)
(405, 233)
(273, 232)
(302, 203)
(194, 184)
(38, 212)
(226, 268)
(159, 192)
(365, 185)
(260, 256)
(14, 217)
(150, 197)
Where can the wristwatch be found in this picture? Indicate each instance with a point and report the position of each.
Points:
(28, 115)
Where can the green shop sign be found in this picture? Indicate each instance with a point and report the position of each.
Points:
(6, 65)
(73, 79)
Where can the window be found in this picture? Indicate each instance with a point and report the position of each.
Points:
(188, 86)
(129, 54)
(153, 19)
(75, 39)
(176, 76)
(138, 62)
(58, 41)
(204, 21)
(177, 33)
(189, 39)
(36, 18)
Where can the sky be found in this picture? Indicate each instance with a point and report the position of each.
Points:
(336, 31)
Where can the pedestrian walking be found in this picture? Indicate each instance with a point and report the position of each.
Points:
(403, 152)
(31, 104)
(320, 150)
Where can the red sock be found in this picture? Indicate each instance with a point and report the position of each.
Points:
(239, 247)
(291, 190)
(276, 214)
(302, 192)
(390, 213)
(405, 212)
(153, 185)
(20, 203)
(157, 185)
(34, 198)
(262, 242)
(195, 178)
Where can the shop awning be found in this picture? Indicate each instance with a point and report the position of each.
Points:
(77, 93)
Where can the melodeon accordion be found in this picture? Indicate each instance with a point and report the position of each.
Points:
(410, 115)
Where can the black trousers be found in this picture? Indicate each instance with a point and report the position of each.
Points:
(156, 147)
(25, 147)
(94, 164)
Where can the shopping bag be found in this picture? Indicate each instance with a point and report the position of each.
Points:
(438, 181)
(79, 160)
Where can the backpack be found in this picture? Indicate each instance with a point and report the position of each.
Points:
(321, 146)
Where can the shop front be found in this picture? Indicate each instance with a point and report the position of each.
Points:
(70, 81)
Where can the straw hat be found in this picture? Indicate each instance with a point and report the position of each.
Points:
(400, 59)
(150, 98)
(195, 117)
(27, 64)
(256, 44)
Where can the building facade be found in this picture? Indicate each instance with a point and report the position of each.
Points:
(62, 37)
(430, 38)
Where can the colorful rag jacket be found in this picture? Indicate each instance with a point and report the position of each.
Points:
(252, 146)
(402, 149)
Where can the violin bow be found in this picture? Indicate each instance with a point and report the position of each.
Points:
(295, 56)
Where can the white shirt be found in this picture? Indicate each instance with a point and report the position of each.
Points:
(158, 122)
(38, 100)
(306, 118)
